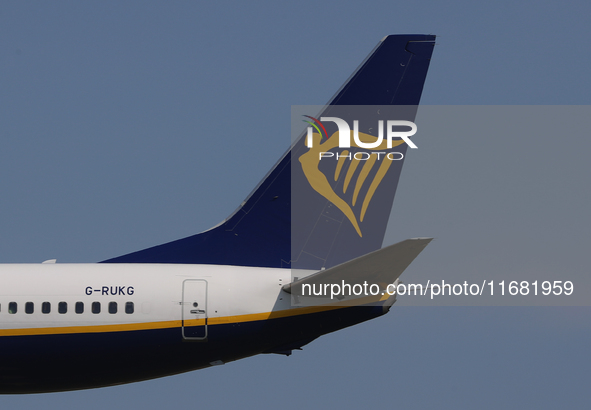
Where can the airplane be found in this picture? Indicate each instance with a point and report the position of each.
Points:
(239, 288)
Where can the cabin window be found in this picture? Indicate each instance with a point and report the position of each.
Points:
(79, 307)
(96, 307)
(112, 307)
(45, 307)
(29, 308)
(12, 308)
(129, 308)
(62, 307)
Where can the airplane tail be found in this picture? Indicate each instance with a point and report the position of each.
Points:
(313, 214)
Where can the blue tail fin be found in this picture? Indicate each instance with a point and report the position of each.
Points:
(259, 232)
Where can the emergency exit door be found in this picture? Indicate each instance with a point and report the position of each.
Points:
(195, 309)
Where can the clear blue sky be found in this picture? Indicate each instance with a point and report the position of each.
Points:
(128, 124)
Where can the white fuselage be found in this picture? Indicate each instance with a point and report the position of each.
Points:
(155, 290)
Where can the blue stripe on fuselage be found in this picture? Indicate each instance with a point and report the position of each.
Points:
(45, 363)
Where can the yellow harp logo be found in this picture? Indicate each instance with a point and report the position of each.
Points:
(368, 159)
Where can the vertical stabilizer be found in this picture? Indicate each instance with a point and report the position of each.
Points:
(291, 220)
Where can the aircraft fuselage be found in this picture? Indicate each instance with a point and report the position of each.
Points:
(75, 326)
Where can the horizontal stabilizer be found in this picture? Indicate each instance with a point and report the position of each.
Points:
(381, 267)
